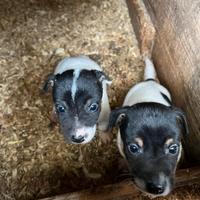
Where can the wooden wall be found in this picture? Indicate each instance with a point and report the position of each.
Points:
(176, 54)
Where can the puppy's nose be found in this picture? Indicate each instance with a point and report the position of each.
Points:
(78, 139)
(155, 188)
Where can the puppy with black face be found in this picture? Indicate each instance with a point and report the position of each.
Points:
(149, 136)
(79, 89)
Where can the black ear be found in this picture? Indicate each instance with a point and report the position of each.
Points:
(117, 117)
(181, 118)
(49, 82)
(101, 76)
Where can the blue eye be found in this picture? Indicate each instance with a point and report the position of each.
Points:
(60, 109)
(173, 149)
(93, 107)
(134, 148)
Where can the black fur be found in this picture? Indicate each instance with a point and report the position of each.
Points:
(89, 90)
(154, 123)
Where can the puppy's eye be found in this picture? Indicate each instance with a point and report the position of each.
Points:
(60, 109)
(134, 148)
(173, 149)
(93, 107)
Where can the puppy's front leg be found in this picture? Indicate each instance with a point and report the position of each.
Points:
(104, 116)
(105, 110)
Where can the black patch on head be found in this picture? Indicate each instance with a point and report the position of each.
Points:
(88, 91)
(153, 123)
(89, 88)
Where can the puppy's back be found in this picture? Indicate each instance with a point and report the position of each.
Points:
(148, 90)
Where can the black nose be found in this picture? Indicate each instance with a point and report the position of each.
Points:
(155, 188)
(78, 139)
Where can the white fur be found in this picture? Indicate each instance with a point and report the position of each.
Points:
(180, 152)
(164, 178)
(147, 91)
(150, 72)
(73, 63)
(168, 188)
(105, 108)
(74, 85)
(87, 132)
(120, 144)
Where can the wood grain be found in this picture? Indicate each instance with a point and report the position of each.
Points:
(143, 26)
(126, 190)
(176, 54)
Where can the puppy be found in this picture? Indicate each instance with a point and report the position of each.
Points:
(80, 98)
(149, 136)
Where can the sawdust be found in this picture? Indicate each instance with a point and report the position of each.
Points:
(35, 161)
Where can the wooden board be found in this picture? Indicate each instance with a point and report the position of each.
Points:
(126, 190)
(176, 54)
(143, 26)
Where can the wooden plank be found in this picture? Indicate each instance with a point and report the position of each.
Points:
(126, 190)
(143, 26)
(122, 191)
(186, 177)
(176, 55)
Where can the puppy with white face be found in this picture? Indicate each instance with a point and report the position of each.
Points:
(79, 90)
(149, 136)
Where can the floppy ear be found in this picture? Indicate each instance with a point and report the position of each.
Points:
(117, 117)
(49, 82)
(181, 119)
(102, 77)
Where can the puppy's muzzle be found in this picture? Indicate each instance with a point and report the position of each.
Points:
(78, 139)
(155, 188)
(83, 134)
